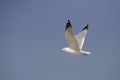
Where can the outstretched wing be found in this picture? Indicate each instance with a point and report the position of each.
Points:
(72, 42)
(81, 36)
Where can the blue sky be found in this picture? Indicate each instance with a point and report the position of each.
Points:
(32, 34)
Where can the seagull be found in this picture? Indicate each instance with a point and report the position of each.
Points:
(75, 43)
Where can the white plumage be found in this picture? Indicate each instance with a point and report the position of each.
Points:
(75, 43)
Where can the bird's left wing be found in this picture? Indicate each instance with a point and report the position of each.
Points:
(72, 42)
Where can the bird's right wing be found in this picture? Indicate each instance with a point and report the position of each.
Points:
(81, 36)
(72, 42)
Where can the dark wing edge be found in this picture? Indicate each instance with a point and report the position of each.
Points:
(68, 25)
(85, 28)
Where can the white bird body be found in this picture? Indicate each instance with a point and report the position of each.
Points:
(74, 52)
(75, 43)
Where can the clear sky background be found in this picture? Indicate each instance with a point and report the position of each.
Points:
(32, 34)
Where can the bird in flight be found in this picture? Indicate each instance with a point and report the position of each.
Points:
(75, 43)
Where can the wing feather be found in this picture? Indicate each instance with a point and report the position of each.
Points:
(81, 36)
(71, 40)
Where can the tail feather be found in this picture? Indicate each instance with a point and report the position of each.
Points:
(85, 53)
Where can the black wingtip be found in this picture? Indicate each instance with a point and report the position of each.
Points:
(68, 25)
(86, 27)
